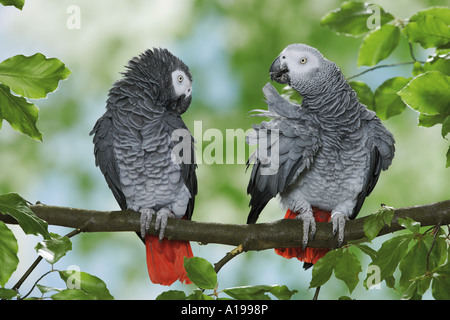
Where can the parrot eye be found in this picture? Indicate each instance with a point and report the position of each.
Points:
(303, 60)
(180, 78)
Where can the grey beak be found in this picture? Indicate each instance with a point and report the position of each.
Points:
(277, 72)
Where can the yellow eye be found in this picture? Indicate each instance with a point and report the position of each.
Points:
(303, 60)
(180, 78)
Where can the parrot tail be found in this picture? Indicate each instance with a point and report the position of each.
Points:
(165, 260)
(308, 255)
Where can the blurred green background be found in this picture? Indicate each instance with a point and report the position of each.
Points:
(229, 47)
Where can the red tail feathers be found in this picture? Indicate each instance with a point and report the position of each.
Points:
(307, 255)
(165, 260)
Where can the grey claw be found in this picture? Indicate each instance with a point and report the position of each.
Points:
(146, 218)
(161, 221)
(338, 220)
(309, 227)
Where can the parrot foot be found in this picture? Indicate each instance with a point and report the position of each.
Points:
(146, 217)
(161, 221)
(339, 219)
(309, 226)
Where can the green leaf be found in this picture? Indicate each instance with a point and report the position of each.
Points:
(387, 101)
(72, 294)
(8, 253)
(442, 13)
(390, 254)
(378, 45)
(352, 18)
(428, 30)
(32, 77)
(426, 120)
(447, 164)
(428, 93)
(367, 250)
(439, 63)
(171, 295)
(365, 94)
(7, 294)
(445, 127)
(55, 248)
(413, 265)
(417, 287)
(259, 292)
(45, 289)
(440, 287)
(409, 224)
(16, 3)
(347, 269)
(199, 295)
(427, 253)
(201, 272)
(16, 206)
(82, 286)
(417, 69)
(375, 222)
(323, 268)
(20, 114)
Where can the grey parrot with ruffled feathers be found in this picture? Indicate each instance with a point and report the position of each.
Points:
(136, 150)
(329, 150)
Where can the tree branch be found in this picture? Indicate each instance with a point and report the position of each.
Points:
(260, 236)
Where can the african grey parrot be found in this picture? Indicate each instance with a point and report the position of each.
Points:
(134, 141)
(324, 156)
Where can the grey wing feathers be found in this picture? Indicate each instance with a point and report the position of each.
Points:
(187, 169)
(105, 158)
(190, 180)
(297, 142)
(382, 152)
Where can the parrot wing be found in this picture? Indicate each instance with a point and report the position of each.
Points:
(187, 168)
(105, 158)
(382, 152)
(292, 150)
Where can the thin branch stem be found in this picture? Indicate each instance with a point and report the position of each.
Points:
(230, 255)
(36, 262)
(34, 285)
(436, 232)
(380, 66)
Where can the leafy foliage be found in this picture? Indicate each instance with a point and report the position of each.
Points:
(352, 17)
(203, 275)
(421, 257)
(80, 285)
(29, 77)
(8, 253)
(428, 90)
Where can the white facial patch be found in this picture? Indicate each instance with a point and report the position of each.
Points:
(181, 83)
(299, 61)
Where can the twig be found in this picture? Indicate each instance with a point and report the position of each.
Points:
(34, 285)
(316, 293)
(381, 66)
(436, 231)
(36, 262)
(230, 255)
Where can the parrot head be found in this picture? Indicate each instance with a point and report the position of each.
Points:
(164, 77)
(304, 69)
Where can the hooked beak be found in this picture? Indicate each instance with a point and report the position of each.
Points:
(278, 72)
(183, 103)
